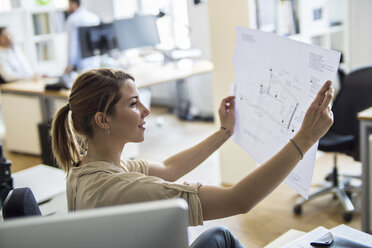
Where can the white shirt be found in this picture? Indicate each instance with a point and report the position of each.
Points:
(80, 18)
(13, 64)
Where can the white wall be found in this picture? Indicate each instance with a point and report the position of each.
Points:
(200, 87)
(224, 16)
(360, 32)
(104, 9)
(199, 27)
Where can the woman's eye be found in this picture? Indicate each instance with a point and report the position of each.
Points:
(134, 104)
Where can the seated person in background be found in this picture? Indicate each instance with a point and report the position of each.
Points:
(79, 17)
(13, 64)
(105, 111)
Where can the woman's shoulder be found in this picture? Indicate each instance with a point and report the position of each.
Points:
(94, 167)
(135, 165)
(130, 162)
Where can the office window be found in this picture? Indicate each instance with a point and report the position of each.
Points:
(173, 26)
(5, 5)
(125, 8)
(60, 4)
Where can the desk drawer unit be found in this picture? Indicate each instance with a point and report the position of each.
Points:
(21, 115)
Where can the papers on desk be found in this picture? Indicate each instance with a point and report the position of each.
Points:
(342, 231)
(44, 181)
(276, 79)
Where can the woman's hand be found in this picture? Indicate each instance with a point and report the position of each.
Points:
(227, 113)
(319, 117)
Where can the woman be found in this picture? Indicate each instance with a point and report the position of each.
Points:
(106, 113)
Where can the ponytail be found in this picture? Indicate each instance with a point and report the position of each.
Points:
(64, 143)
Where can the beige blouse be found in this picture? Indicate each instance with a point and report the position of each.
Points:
(100, 183)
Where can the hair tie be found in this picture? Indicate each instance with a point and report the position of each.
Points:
(68, 106)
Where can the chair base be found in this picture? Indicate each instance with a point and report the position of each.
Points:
(342, 192)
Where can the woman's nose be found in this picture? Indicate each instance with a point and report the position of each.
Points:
(145, 111)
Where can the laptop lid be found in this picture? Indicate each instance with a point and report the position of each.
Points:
(151, 224)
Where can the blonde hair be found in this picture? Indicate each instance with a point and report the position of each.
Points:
(93, 91)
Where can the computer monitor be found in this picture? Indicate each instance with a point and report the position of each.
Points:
(151, 224)
(96, 40)
(139, 31)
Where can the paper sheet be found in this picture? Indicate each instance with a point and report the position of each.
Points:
(352, 234)
(340, 231)
(276, 80)
(304, 241)
(44, 181)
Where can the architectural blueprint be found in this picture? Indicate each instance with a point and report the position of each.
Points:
(276, 79)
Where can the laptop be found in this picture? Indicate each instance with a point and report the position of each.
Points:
(150, 224)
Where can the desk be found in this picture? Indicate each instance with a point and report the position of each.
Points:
(295, 238)
(365, 129)
(48, 185)
(286, 238)
(25, 104)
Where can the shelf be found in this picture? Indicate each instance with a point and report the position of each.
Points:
(323, 31)
(42, 9)
(43, 37)
(14, 11)
(338, 28)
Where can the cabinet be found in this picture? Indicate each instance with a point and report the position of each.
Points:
(38, 27)
(325, 23)
(319, 22)
(21, 118)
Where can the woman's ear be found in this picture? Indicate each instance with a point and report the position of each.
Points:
(101, 120)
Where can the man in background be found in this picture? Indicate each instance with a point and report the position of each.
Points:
(79, 17)
(13, 64)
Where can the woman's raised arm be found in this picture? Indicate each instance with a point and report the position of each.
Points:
(220, 202)
(181, 163)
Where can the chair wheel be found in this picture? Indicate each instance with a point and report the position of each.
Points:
(349, 194)
(329, 177)
(297, 209)
(334, 196)
(347, 217)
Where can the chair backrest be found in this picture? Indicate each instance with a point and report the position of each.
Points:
(354, 96)
(20, 202)
(2, 80)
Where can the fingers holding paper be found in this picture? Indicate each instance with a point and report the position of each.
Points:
(319, 116)
(227, 113)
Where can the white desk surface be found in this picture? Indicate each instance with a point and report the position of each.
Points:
(284, 239)
(44, 181)
(145, 74)
(295, 238)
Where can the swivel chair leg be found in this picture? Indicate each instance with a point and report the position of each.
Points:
(340, 194)
(298, 207)
(346, 204)
(339, 189)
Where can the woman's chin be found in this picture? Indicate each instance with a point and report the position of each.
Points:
(138, 140)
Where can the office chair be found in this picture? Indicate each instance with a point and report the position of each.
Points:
(343, 137)
(2, 80)
(20, 202)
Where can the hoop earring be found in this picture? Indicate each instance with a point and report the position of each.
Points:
(108, 131)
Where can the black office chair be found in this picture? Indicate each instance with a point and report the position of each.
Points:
(20, 202)
(2, 80)
(354, 96)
